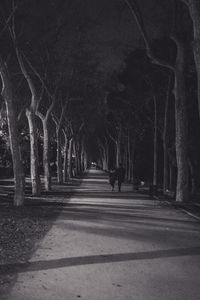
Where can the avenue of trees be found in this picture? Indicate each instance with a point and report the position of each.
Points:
(62, 108)
(165, 92)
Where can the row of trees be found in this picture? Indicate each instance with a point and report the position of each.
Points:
(56, 91)
(44, 88)
(161, 88)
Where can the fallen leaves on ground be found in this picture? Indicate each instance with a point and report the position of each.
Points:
(21, 229)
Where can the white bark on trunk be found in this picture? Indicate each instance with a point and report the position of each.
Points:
(30, 113)
(155, 163)
(19, 179)
(75, 165)
(46, 160)
(82, 157)
(182, 188)
(35, 178)
(85, 162)
(59, 158)
(70, 148)
(165, 141)
(79, 157)
(65, 162)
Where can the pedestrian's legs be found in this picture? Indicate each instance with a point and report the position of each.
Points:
(119, 186)
(112, 183)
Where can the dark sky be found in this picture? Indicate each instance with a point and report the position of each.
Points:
(112, 31)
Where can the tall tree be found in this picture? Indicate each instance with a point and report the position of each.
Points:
(7, 94)
(166, 139)
(178, 69)
(45, 118)
(194, 10)
(31, 116)
(58, 120)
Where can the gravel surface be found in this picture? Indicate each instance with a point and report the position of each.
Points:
(20, 231)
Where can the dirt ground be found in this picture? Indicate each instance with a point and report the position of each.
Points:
(22, 229)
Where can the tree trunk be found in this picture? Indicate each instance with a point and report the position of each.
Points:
(192, 178)
(155, 164)
(180, 100)
(69, 166)
(85, 162)
(19, 179)
(104, 163)
(182, 189)
(126, 163)
(75, 167)
(18, 170)
(133, 147)
(30, 113)
(78, 154)
(105, 157)
(65, 163)
(107, 153)
(165, 167)
(194, 9)
(46, 160)
(118, 153)
(34, 163)
(165, 141)
(82, 158)
(59, 157)
(171, 177)
(197, 63)
(129, 158)
(132, 161)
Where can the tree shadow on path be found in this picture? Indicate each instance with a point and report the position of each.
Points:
(97, 259)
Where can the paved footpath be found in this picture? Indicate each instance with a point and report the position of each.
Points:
(108, 246)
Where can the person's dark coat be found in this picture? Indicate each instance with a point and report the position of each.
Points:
(120, 174)
(112, 177)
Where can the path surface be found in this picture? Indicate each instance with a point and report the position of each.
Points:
(108, 245)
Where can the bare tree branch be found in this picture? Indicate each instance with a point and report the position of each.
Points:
(110, 136)
(135, 11)
(132, 5)
(8, 20)
(51, 107)
(186, 2)
(37, 112)
(22, 110)
(37, 74)
(55, 119)
(27, 77)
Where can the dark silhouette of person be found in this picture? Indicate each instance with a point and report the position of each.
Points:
(112, 178)
(120, 175)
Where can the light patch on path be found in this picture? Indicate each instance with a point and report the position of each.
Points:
(109, 246)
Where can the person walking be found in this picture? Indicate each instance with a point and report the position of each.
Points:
(112, 178)
(120, 175)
